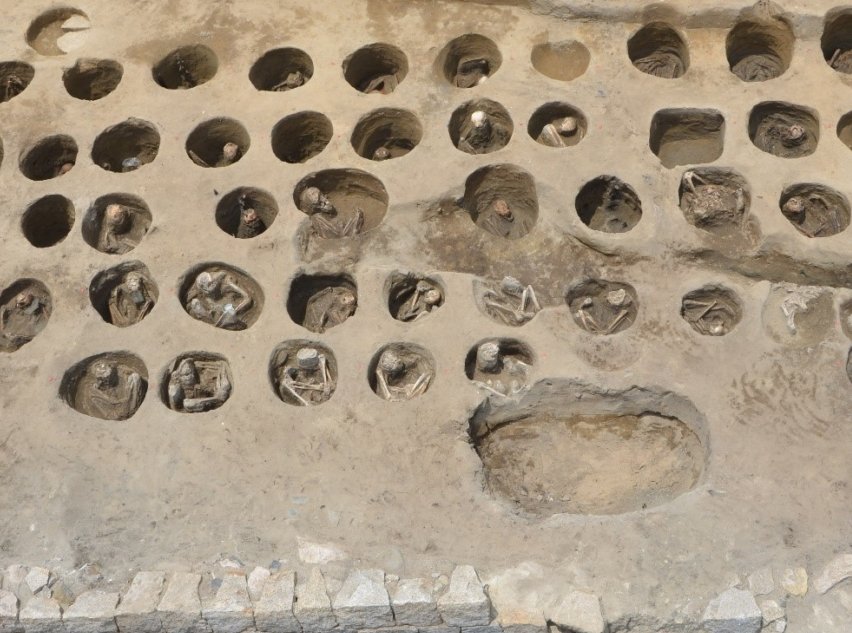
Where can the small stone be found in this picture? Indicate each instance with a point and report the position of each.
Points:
(313, 607)
(795, 581)
(771, 611)
(180, 608)
(363, 601)
(579, 612)
(273, 611)
(230, 611)
(319, 553)
(41, 615)
(37, 578)
(137, 610)
(761, 582)
(92, 612)
(257, 578)
(835, 572)
(413, 603)
(465, 603)
(8, 610)
(780, 626)
(733, 611)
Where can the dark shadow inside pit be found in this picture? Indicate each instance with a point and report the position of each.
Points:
(44, 32)
(603, 307)
(14, 79)
(401, 371)
(92, 79)
(299, 137)
(221, 295)
(108, 386)
(481, 133)
(469, 60)
(122, 232)
(349, 190)
(684, 136)
(759, 50)
(846, 319)
(502, 200)
(124, 294)
(815, 210)
(386, 133)
(411, 297)
(784, 129)
(25, 309)
(836, 41)
(126, 146)
(219, 142)
(375, 68)
(608, 204)
(557, 124)
(196, 382)
(562, 61)
(321, 302)
(232, 216)
(186, 67)
(48, 220)
(50, 157)
(566, 447)
(292, 378)
(712, 310)
(282, 69)
(714, 199)
(658, 49)
(844, 129)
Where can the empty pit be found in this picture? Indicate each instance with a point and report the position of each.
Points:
(563, 61)
(469, 60)
(557, 125)
(50, 157)
(603, 307)
(609, 205)
(219, 142)
(246, 212)
(657, 49)
(411, 297)
(760, 50)
(119, 231)
(221, 295)
(376, 68)
(683, 136)
(386, 133)
(715, 199)
(196, 382)
(299, 137)
(295, 379)
(401, 371)
(502, 200)
(126, 146)
(349, 191)
(15, 77)
(58, 31)
(25, 309)
(815, 210)
(712, 310)
(124, 294)
(282, 69)
(92, 79)
(836, 41)
(48, 221)
(108, 386)
(186, 67)
(568, 448)
(481, 126)
(784, 129)
(319, 302)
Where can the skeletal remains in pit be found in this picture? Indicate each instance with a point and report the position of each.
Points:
(603, 307)
(326, 221)
(711, 311)
(198, 383)
(798, 302)
(658, 50)
(713, 199)
(471, 71)
(402, 372)
(608, 204)
(411, 298)
(217, 297)
(561, 132)
(115, 230)
(230, 154)
(509, 302)
(815, 210)
(329, 308)
(836, 41)
(500, 366)
(14, 79)
(250, 224)
(784, 129)
(25, 309)
(482, 133)
(498, 219)
(131, 299)
(304, 375)
(108, 386)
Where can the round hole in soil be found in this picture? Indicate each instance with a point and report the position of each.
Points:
(196, 382)
(609, 205)
(659, 50)
(186, 67)
(481, 126)
(109, 386)
(219, 142)
(221, 295)
(124, 294)
(299, 137)
(116, 223)
(303, 373)
(352, 193)
(126, 146)
(603, 307)
(281, 69)
(500, 366)
(375, 68)
(386, 133)
(26, 305)
(711, 310)
(562, 61)
(246, 212)
(844, 129)
(92, 79)
(401, 371)
(469, 60)
(14, 79)
(815, 210)
(58, 31)
(502, 200)
(557, 125)
(50, 157)
(321, 302)
(759, 50)
(784, 129)
(411, 297)
(48, 221)
(836, 41)
(714, 199)
(684, 136)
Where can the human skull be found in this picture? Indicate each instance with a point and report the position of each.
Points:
(186, 372)
(347, 298)
(115, 215)
(229, 151)
(478, 118)
(432, 296)
(795, 132)
(501, 208)
(512, 286)
(567, 125)
(250, 216)
(206, 282)
(795, 207)
(24, 299)
(134, 281)
(104, 373)
(307, 358)
(382, 153)
(312, 200)
(618, 298)
(391, 364)
(488, 357)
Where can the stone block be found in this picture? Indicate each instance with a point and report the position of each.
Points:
(363, 601)
(440, 628)
(41, 615)
(733, 611)
(8, 611)
(256, 580)
(273, 610)
(230, 611)
(137, 611)
(771, 611)
(92, 612)
(180, 608)
(795, 581)
(465, 602)
(391, 629)
(580, 611)
(37, 578)
(761, 583)
(838, 570)
(413, 603)
(494, 627)
(313, 607)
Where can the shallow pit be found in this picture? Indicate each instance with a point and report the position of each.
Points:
(469, 60)
(126, 146)
(322, 301)
(603, 307)
(50, 157)
(815, 210)
(218, 142)
(121, 234)
(196, 382)
(221, 295)
(386, 133)
(282, 69)
(109, 386)
(349, 191)
(297, 384)
(411, 297)
(799, 316)
(480, 134)
(557, 124)
(565, 447)
(232, 216)
(48, 220)
(563, 61)
(502, 200)
(836, 41)
(712, 310)
(92, 79)
(784, 129)
(508, 301)
(15, 77)
(685, 136)
(401, 371)
(124, 294)
(760, 49)
(608, 204)
(299, 137)
(714, 199)
(376, 68)
(186, 67)
(58, 31)
(500, 366)
(657, 49)
(23, 320)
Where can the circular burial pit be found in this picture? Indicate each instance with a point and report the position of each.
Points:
(321, 302)
(349, 191)
(299, 137)
(246, 212)
(116, 223)
(219, 142)
(714, 199)
(569, 448)
(480, 126)
(684, 136)
(386, 133)
(401, 371)
(221, 295)
(92, 79)
(186, 67)
(815, 210)
(58, 31)
(50, 157)
(412, 297)
(196, 382)
(303, 373)
(603, 307)
(375, 68)
(48, 221)
(26, 306)
(124, 294)
(784, 129)
(557, 125)
(108, 386)
(836, 41)
(469, 60)
(609, 205)
(502, 200)
(562, 61)
(14, 79)
(282, 69)
(711, 310)
(127, 146)
(759, 50)
(659, 50)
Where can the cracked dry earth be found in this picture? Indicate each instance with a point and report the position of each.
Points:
(215, 214)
